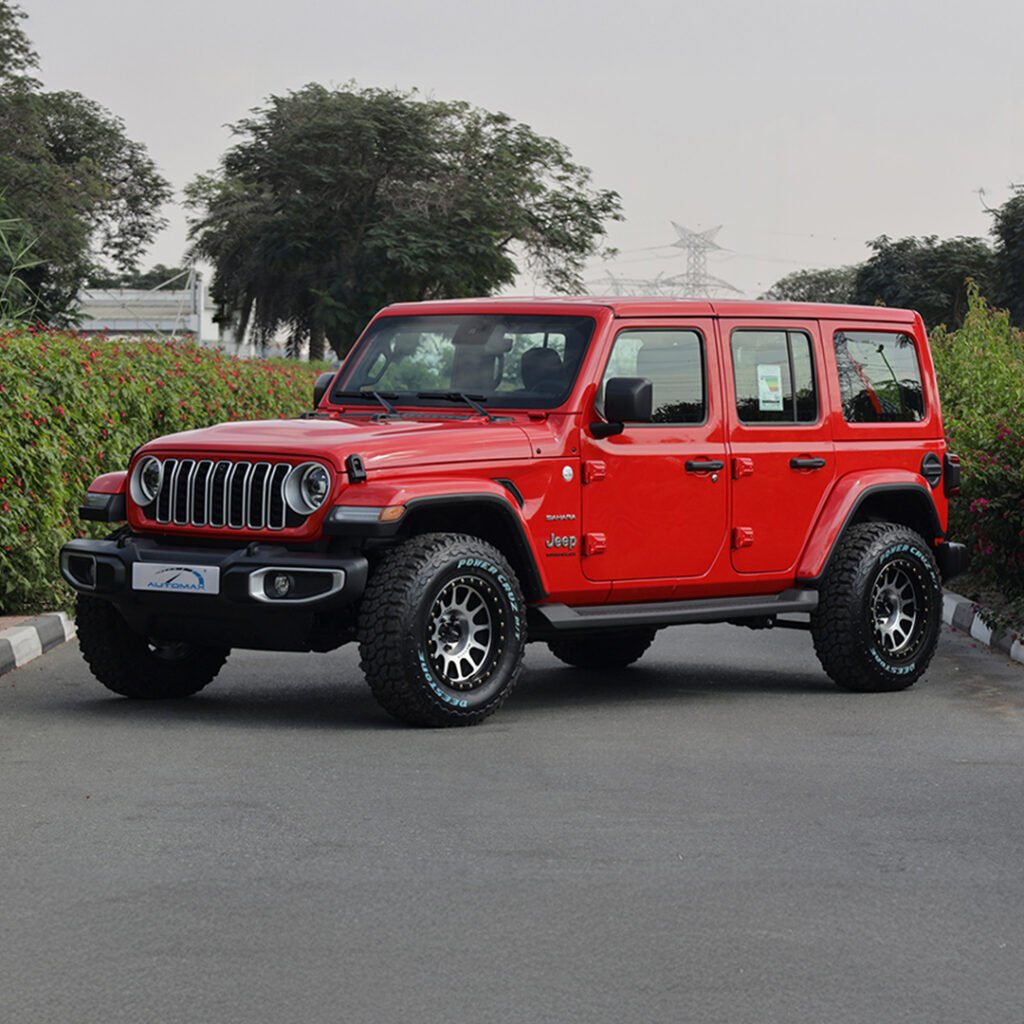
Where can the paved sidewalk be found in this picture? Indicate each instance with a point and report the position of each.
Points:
(24, 638)
(963, 614)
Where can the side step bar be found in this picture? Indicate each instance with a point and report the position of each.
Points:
(558, 618)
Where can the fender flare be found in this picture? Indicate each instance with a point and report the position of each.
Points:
(842, 507)
(523, 558)
(498, 497)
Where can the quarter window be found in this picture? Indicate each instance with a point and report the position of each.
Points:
(774, 376)
(879, 377)
(673, 361)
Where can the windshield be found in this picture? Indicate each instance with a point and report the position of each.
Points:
(503, 361)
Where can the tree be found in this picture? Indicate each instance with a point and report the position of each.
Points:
(338, 201)
(147, 280)
(17, 57)
(834, 284)
(1008, 228)
(70, 174)
(17, 300)
(925, 274)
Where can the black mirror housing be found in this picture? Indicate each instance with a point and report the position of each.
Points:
(323, 382)
(628, 400)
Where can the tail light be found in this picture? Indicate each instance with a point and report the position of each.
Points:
(951, 475)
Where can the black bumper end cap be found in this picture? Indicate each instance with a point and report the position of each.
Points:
(104, 508)
(953, 560)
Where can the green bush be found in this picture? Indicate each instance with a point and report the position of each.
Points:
(72, 407)
(981, 379)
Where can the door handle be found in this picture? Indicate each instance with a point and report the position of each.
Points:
(795, 463)
(704, 465)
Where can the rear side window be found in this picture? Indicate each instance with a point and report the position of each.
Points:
(673, 361)
(879, 377)
(774, 376)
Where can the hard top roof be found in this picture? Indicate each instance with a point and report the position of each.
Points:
(623, 306)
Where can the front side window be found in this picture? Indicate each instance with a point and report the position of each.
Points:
(673, 361)
(504, 361)
(879, 377)
(774, 376)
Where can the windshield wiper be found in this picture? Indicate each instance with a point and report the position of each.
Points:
(473, 401)
(381, 396)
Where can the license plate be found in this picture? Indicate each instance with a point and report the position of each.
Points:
(169, 578)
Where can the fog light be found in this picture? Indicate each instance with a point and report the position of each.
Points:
(280, 585)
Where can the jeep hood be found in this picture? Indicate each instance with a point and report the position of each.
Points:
(382, 444)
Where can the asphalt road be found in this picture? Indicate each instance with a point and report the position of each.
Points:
(715, 835)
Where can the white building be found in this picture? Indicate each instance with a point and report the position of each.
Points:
(178, 308)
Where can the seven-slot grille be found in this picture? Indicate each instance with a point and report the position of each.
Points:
(241, 495)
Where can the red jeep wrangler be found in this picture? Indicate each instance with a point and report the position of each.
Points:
(482, 473)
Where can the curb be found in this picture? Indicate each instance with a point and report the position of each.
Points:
(964, 615)
(26, 641)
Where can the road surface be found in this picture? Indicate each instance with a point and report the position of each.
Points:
(714, 835)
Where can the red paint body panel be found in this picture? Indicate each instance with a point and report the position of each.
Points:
(110, 483)
(381, 444)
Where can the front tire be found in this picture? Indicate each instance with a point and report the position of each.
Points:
(879, 611)
(130, 665)
(442, 628)
(597, 651)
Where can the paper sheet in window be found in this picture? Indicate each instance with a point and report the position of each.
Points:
(769, 387)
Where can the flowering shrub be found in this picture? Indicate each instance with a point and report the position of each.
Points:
(72, 407)
(981, 378)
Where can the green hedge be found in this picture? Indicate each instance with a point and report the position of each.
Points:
(981, 378)
(72, 407)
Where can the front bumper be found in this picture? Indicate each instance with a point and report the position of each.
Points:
(246, 610)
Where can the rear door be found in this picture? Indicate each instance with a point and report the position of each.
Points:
(781, 458)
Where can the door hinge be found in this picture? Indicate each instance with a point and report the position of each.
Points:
(594, 544)
(742, 537)
(742, 467)
(594, 470)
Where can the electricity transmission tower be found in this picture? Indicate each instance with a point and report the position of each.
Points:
(695, 282)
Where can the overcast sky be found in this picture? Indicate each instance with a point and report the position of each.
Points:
(804, 128)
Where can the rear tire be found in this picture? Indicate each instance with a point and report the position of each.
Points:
(130, 665)
(879, 611)
(615, 649)
(442, 628)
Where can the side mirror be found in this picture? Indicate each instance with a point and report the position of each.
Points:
(626, 400)
(323, 382)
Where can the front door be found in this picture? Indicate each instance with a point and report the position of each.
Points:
(655, 497)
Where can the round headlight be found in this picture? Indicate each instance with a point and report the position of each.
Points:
(146, 479)
(314, 486)
(307, 488)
